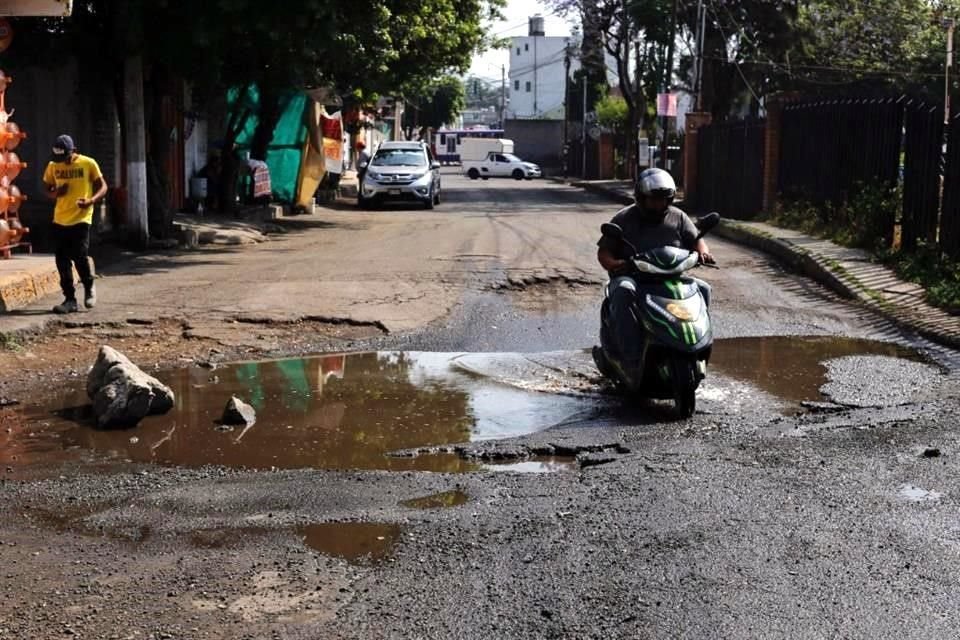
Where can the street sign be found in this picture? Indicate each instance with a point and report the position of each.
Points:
(667, 105)
(36, 8)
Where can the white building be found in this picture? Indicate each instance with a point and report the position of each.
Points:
(537, 74)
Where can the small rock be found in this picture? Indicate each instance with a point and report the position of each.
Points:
(122, 393)
(931, 452)
(238, 412)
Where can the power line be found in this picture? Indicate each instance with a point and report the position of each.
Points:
(725, 39)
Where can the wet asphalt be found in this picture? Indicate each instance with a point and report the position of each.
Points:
(775, 512)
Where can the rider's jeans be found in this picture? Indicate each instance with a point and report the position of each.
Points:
(627, 327)
(627, 332)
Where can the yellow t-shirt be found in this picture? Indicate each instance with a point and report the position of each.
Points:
(79, 177)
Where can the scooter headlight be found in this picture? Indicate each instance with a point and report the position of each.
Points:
(680, 312)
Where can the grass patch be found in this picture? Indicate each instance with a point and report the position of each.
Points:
(10, 342)
(927, 267)
(865, 221)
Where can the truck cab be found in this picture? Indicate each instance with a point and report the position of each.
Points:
(501, 165)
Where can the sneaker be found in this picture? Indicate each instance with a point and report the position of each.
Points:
(90, 298)
(67, 306)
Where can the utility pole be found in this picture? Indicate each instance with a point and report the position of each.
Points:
(667, 81)
(583, 132)
(702, 26)
(503, 95)
(949, 24)
(135, 146)
(566, 108)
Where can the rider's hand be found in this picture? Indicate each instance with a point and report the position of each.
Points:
(707, 258)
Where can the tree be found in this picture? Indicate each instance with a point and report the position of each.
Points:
(439, 104)
(393, 46)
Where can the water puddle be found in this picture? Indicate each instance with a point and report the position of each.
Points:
(534, 465)
(916, 494)
(443, 500)
(356, 542)
(328, 412)
(792, 368)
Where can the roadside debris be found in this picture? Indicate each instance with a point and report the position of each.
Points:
(122, 393)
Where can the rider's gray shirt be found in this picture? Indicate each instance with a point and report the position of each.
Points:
(675, 230)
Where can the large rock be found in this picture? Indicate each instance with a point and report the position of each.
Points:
(122, 393)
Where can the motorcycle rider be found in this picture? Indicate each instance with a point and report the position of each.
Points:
(651, 222)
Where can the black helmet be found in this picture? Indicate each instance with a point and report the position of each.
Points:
(655, 182)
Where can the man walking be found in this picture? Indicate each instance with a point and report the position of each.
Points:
(76, 183)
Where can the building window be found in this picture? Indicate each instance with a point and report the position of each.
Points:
(528, 87)
(516, 85)
(526, 46)
(518, 50)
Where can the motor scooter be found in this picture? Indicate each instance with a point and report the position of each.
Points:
(674, 323)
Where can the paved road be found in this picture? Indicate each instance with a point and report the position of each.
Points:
(755, 519)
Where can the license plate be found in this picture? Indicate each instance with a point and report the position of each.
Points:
(394, 192)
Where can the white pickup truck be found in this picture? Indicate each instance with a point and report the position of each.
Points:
(501, 165)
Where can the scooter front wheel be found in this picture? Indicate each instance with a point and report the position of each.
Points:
(685, 387)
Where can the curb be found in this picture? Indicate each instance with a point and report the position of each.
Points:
(834, 278)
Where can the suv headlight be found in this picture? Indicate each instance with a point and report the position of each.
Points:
(373, 175)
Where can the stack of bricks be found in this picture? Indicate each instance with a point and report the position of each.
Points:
(12, 230)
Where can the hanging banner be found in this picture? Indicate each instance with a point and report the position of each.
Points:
(331, 128)
(667, 105)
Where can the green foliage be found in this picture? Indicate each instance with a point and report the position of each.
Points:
(864, 220)
(439, 104)
(612, 113)
(927, 266)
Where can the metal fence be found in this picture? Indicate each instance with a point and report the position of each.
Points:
(829, 148)
(950, 214)
(730, 168)
(922, 158)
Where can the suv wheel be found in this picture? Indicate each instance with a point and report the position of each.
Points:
(518, 174)
(473, 174)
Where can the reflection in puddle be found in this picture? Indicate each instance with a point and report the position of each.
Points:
(916, 494)
(438, 500)
(791, 368)
(357, 542)
(534, 465)
(330, 412)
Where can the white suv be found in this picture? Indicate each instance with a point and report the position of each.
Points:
(402, 172)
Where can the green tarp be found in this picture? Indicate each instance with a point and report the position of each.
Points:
(286, 147)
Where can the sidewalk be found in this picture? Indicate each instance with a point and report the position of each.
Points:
(848, 272)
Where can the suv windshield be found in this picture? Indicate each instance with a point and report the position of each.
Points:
(400, 158)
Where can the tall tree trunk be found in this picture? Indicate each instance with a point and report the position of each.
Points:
(160, 207)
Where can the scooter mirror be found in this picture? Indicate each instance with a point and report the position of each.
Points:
(708, 222)
(610, 230)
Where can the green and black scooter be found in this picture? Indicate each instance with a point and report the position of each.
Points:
(676, 331)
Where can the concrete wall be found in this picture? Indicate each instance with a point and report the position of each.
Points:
(539, 141)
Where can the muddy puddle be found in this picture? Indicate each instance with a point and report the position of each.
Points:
(328, 412)
(794, 369)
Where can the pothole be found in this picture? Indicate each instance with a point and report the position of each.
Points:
(327, 412)
(442, 500)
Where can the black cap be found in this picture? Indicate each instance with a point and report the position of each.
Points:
(63, 145)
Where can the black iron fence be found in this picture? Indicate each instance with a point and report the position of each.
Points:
(830, 152)
(950, 209)
(730, 168)
(828, 149)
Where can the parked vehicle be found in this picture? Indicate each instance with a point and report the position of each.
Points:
(675, 325)
(477, 149)
(449, 142)
(403, 172)
(501, 165)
